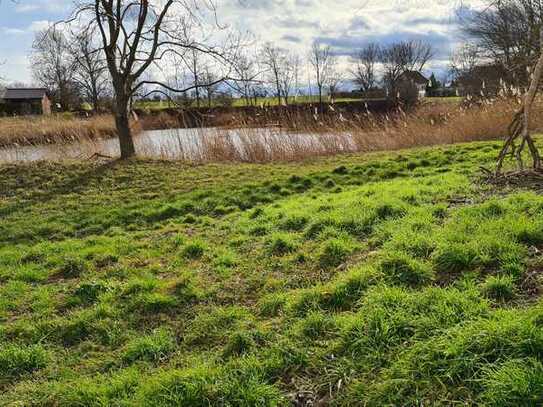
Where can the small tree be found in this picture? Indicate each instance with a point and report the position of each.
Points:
(53, 66)
(321, 60)
(90, 68)
(366, 61)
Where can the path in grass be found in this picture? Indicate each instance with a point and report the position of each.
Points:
(389, 279)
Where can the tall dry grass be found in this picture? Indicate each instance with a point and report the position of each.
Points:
(308, 136)
(33, 130)
(302, 135)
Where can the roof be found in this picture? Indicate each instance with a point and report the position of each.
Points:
(414, 76)
(24, 93)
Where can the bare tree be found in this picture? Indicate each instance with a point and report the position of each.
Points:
(52, 65)
(288, 76)
(464, 60)
(321, 60)
(274, 60)
(90, 68)
(402, 57)
(335, 81)
(249, 75)
(136, 36)
(365, 70)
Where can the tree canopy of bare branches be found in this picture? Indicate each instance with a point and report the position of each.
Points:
(404, 56)
(366, 60)
(507, 32)
(52, 65)
(322, 61)
(137, 36)
(90, 67)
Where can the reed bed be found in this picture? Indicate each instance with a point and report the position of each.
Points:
(54, 129)
(300, 135)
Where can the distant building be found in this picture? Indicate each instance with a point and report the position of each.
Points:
(416, 79)
(25, 101)
(483, 80)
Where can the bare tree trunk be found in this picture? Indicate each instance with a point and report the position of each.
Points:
(520, 126)
(122, 122)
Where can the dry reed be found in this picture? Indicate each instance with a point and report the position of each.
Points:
(54, 129)
(307, 135)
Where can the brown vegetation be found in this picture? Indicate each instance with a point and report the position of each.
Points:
(54, 129)
(300, 136)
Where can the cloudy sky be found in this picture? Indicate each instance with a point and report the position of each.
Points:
(293, 24)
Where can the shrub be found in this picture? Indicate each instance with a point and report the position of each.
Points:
(501, 288)
(401, 268)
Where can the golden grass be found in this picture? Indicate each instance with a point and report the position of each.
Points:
(53, 129)
(300, 135)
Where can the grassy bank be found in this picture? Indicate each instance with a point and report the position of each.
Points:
(385, 279)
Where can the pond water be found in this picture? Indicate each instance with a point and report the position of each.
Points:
(190, 145)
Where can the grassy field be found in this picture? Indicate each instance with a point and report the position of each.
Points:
(239, 102)
(382, 279)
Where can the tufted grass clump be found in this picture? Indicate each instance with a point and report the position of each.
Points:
(401, 268)
(333, 253)
(18, 360)
(154, 347)
(500, 288)
(281, 244)
(194, 250)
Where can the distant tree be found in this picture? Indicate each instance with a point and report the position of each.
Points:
(463, 60)
(322, 61)
(404, 56)
(90, 67)
(278, 66)
(53, 66)
(248, 73)
(366, 61)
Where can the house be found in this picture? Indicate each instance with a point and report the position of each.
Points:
(416, 79)
(483, 80)
(25, 101)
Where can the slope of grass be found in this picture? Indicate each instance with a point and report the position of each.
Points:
(384, 279)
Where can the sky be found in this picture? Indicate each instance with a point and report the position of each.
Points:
(346, 25)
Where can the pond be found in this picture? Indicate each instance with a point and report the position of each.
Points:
(197, 145)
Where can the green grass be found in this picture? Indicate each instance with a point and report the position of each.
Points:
(381, 279)
(239, 102)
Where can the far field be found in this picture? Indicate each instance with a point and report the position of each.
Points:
(273, 101)
(380, 279)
